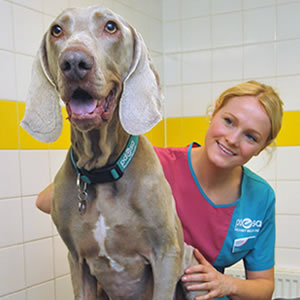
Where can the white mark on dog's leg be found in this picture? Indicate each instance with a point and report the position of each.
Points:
(100, 233)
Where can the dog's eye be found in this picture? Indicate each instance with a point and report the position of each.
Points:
(111, 27)
(56, 31)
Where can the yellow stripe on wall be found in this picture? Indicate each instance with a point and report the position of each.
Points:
(9, 138)
(289, 134)
(28, 142)
(179, 131)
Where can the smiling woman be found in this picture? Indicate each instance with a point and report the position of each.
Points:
(227, 211)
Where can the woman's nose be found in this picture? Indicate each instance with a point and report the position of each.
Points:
(233, 137)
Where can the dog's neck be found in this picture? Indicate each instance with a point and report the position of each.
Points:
(98, 147)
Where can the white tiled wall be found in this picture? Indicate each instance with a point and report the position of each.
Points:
(33, 258)
(200, 48)
(211, 45)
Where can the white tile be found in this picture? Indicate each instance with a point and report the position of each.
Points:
(10, 222)
(7, 76)
(286, 1)
(12, 270)
(80, 3)
(195, 8)
(286, 258)
(228, 64)
(57, 157)
(35, 4)
(172, 38)
(43, 291)
(173, 105)
(132, 17)
(227, 29)
(15, 296)
(196, 67)
(23, 75)
(172, 69)
(257, 3)
(61, 262)
(288, 197)
(264, 164)
(10, 185)
(28, 26)
(287, 234)
(47, 21)
(6, 21)
(142, 25)
(288, 163)
(220, 87)
(39, 263)
(64, 288)
(260, 61)
(35, 171)
(221, 6)
(152, 8)
(196, 99)
(259, 25)
(288, 57)
(288, 88)
(156, 36)
(171, 10)
(268, 81)
(107, 3)
(196, 34)
(32, 217)
(55, 7)
(288, 25)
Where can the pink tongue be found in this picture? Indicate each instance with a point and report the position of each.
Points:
(82, 107)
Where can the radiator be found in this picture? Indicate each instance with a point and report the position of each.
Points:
(287, 284)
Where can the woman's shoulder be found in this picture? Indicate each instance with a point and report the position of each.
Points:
(170, 153)
(253, 183)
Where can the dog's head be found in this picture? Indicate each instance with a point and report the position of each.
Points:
(95, 62)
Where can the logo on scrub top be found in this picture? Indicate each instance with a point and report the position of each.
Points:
(247, 225)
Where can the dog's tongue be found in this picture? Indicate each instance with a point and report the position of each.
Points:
(80, 107)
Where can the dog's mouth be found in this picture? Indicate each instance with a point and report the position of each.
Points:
(82, 105)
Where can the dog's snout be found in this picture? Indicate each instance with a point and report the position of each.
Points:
(75, 64)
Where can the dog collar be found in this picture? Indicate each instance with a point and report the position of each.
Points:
(111, 172)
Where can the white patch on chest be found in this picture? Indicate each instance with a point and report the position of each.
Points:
(100, 233)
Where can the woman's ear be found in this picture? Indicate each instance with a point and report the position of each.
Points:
(263, 148)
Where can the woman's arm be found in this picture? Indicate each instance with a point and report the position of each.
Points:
(257, 286)
(44, 199)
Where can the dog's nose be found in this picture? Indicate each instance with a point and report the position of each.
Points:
(75, 64)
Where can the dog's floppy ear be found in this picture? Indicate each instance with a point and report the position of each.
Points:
(43, 119)
(140, 104)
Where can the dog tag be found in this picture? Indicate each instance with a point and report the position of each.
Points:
(82, 206)
(82, 195)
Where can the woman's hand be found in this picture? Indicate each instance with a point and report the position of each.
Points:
(204, 277)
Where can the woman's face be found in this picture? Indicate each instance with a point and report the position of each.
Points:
(238, 131)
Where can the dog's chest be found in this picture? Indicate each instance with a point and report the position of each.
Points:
(112, 226)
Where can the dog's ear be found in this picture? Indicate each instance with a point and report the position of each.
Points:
(43, 119)
(140, 104)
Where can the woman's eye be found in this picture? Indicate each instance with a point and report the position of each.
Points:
(111, 27)
(56, 31)
(228, 121)
(251, 137)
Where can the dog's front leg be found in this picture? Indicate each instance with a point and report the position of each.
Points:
(84, 283)
(166, 272)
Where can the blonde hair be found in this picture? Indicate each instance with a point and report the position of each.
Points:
(265, 94)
